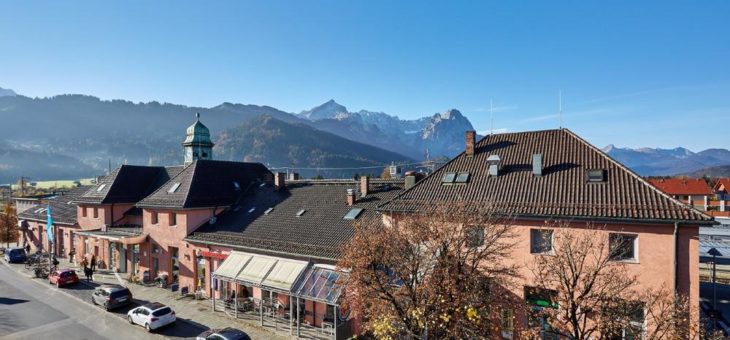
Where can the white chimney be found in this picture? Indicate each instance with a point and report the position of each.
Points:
(493, 162)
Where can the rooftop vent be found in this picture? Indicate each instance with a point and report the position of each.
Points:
(301, 212)
(101, 187)
(251, 210)
(596, 175)
(493, 162)
(268, 211)
(236, 186)
(537, 164)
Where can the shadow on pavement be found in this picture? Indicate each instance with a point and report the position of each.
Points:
(11, 301)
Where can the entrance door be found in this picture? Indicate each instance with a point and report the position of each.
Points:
(174, 263)
(60, 246)
(135, 258)
(112, 252)
(123, 259)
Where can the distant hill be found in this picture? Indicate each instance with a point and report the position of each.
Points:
(712, 172)
(277, 143)
(665, 162)
(91, 133)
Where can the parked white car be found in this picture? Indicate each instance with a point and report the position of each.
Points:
(152, 316)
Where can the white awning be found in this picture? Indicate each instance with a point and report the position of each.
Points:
(284, 274)
(257, 269)
(233, 265)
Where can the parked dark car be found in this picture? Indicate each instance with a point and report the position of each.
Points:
(227, 333)
(111, 296)
(15, 255)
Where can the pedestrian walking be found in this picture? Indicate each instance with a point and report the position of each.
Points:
(93, 262)
(72, 255)
(85, 264)
(87, 274)
(91, 274)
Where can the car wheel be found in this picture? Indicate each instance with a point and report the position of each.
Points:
(147, 327)
(130, 320)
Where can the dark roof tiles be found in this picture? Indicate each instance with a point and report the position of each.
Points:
(63, 208)
(318, 232)
(561, 192)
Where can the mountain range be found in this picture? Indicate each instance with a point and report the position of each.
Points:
(84, 135)
(677, 161)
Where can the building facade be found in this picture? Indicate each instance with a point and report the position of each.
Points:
(543, 177)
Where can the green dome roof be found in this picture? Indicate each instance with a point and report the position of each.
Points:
(198, 134)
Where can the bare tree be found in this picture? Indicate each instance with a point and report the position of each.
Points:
(9, 225)
(595, 296)
(431, 275)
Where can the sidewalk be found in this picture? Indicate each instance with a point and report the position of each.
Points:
(199, 312)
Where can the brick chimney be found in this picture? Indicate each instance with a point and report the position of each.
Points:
(470, 138)
(280, 180)
(350, 196)
(364, 185)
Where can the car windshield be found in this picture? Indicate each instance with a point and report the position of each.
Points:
(163, 311)
(119, 293)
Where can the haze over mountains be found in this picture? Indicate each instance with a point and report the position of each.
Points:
(677, 161)
(72, 136)
(83, 134)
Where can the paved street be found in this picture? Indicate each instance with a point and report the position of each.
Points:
(24, 296)
(30, 308)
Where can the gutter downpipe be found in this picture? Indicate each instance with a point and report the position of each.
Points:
(676, 256)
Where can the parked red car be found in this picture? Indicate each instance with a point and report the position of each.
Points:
(62, 277)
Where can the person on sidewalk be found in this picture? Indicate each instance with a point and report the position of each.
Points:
(27, 248)
(91, 274)
(93, 262)
(72, 255)
(87, 272)
(85, 264)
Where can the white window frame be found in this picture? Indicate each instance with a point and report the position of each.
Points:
(635, 258)
(542, 230)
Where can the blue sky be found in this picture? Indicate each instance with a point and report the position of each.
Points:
(632, 73)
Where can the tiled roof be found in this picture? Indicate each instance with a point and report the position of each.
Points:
(206, 183)
(63, 209)
(723, 184)
(128, 184)
(317, 233)
(561, 192)
(682, 186)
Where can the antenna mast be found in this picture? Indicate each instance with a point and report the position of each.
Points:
(491, 117)
(560, 107)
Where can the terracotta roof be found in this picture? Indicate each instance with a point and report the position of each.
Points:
(561, 192)
(682, 186)
(722, 185)
(63, 208)
(317, 233)
(128, 184)
(206, 183)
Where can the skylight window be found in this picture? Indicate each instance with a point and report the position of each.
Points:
(251, 210)
(268, 211)
(353, 213)
(596, 175)
(463, 177)
(448, 178)
(173, 188)
(101, 187)
(236, 186)
(301, 212)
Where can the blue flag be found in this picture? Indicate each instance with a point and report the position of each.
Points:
(49, 225)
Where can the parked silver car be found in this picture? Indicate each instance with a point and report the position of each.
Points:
(227, 333)
(111, 296)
